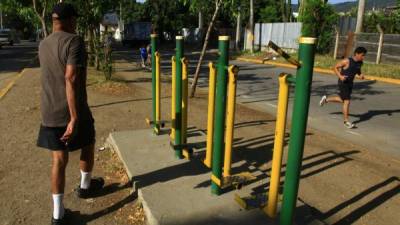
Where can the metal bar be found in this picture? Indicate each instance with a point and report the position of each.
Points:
(210, 119)
(298, 129)
(153, 38)
(281, 113)
(230, 122)
(178, 95)
(217, 158)
(184, 99)
(173, 76)
(158, 90)
(286, 56)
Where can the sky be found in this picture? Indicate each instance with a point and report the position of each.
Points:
(295, 1)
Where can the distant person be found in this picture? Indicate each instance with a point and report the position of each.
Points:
(148, 48)
(143, 55)
(67, 122)
(346, 70)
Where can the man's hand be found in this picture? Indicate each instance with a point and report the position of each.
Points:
(362, 77)
(342, 78)
(69, 131)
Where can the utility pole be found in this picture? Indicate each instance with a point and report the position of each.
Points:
(238, 25)
(360, 15)
(1, 19)
(251, 26)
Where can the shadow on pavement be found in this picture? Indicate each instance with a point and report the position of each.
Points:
(370, 114)
(364, 209)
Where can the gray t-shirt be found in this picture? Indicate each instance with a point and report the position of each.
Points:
(56, 52)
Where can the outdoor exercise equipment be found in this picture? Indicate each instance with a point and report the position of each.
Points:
(298, 130)
(221, 117)
(156, 122)
(179, 102)
(283, 99)
(302, 83)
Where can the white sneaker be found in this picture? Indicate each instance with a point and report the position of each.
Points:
(322, 101)
(349, 125)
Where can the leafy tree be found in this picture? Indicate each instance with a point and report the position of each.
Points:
(319, 19)
(19, 15)
(271, 12)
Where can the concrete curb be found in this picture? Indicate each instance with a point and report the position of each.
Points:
(150, 218)
(5, 90)
(318, 70)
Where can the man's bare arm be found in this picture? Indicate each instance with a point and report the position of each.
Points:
(70, 77)
(342, 64)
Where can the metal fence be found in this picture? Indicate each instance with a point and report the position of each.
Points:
(389, 52)
(285, 35)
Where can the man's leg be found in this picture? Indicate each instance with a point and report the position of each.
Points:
(336, 99)
(60, 161)
(89, 186)
(86, 165)
(346, 106)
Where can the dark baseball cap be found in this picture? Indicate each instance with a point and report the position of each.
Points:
(64, 11)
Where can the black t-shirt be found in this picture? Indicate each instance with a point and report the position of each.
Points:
(56, 52)
(353, 69)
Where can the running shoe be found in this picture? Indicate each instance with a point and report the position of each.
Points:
(322, 101)
(349, 125)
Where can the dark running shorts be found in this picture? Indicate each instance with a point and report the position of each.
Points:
(49, 137)
(345, 90)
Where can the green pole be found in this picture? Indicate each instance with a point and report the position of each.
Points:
(153, 38)
(178, 97)
(220, 108)
(298, 130)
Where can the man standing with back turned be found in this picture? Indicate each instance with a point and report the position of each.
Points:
(346, 70)
(67, 122)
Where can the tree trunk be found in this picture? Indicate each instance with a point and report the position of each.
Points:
(41, 16)
(251, 26)
(283, 10)
(200, 20)
(289, 11)
(196, 75)
(238, 25)
(360, 15)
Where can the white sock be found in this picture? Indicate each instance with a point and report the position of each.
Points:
(58, 210)
(85, 179)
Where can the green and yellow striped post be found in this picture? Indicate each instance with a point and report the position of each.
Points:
(230, 118)
(172, 135)
(184, 100)
(178, 97)
(154, 38)
(210, 116)
(218, 148)
(283, 99)
(298, 131)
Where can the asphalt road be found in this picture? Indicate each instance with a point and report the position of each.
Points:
(375, 106)
(14, 58)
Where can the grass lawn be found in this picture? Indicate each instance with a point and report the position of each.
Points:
(327, 62)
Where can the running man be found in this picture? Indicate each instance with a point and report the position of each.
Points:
(346, 70)
(67, 122)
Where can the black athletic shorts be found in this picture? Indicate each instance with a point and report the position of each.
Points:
(345, 89)
(49, 137)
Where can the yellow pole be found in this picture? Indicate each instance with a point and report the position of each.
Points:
(280, 126)
(184, 99)
(230, 121)
(172, 135)
(210, 119)
(158, 105)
